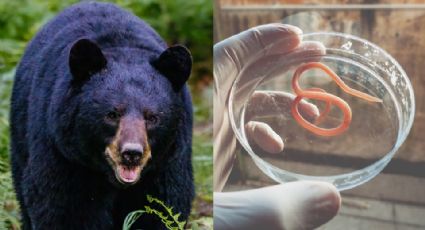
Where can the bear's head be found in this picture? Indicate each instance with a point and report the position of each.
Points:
(128, 106)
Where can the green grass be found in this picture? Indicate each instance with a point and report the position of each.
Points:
(179, 21)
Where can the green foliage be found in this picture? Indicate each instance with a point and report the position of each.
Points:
(170, 220)
(202, 223)
(19, 21)
(5, 86)
(180, 22)
(202, 163)
(9, 217)
(8, 204)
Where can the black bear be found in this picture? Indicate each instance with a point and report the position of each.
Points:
(101, 117)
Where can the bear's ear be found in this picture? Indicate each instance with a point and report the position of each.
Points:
(85, 59)
(175, 63)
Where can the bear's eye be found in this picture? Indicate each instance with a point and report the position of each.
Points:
(151, 118)
(113, 116)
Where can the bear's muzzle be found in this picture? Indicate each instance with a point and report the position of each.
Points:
(129, 151)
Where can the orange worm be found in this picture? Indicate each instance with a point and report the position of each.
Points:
(322, 95)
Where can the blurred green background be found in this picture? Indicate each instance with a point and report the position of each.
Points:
(178, 22)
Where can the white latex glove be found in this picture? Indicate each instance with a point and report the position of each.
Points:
(299, 205)
(295, 205)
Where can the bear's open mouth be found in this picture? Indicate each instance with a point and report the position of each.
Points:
(128, 174)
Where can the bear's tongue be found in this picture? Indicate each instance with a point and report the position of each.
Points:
(128, 174)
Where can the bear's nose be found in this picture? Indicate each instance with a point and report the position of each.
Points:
(132, 153)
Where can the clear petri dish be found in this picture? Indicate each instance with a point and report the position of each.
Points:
(376, 131)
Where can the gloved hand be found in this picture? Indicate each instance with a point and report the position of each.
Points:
(295, 205)
(298, 205)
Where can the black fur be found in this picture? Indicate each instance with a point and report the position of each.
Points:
(87, 61)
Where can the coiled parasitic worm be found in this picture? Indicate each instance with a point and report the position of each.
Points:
(322, 95)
